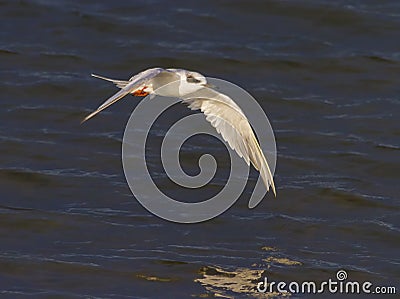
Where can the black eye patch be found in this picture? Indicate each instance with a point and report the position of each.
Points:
(191, 79)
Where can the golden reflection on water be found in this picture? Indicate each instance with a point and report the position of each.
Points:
(223, 283)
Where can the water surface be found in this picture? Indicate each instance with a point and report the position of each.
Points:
(325, 72)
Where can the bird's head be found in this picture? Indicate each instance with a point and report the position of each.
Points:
(191, 82)
(195, 78)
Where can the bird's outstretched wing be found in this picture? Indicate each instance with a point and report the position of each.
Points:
(229, 121)
(134, 83)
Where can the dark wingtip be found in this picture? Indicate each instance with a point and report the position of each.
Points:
(89, 116)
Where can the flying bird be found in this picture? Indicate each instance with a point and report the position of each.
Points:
(220, 110)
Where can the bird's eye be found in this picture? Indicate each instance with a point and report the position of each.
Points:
(191, 79)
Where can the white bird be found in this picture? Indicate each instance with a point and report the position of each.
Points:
(220, 110)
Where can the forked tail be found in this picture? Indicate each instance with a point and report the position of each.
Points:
(118, 83)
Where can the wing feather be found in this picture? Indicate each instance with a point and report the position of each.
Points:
(229, 121)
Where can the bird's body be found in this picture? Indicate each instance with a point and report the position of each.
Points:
(220, 110)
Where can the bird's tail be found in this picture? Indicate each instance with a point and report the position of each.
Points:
(118, 83)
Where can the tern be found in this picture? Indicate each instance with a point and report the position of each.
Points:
(220, 110)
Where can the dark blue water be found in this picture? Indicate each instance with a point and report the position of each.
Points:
(327, 75)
